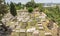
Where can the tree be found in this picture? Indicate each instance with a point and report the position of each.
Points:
(1, 1)
(57, 9)
(18, 6)
(41, 8)
(31, 4)
(30, 9)
(7, 4)
(3, 9)
(13, 9)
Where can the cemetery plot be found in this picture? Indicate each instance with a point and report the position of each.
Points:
(30, 24)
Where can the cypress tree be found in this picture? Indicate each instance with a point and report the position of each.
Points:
(13, 9)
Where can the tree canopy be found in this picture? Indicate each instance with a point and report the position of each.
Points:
(13, 9)
(3, 9)
(31, 4)
(30, 9)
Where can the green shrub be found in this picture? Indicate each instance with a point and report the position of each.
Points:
(30, 9)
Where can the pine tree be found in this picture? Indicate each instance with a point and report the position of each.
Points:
(13, 9)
